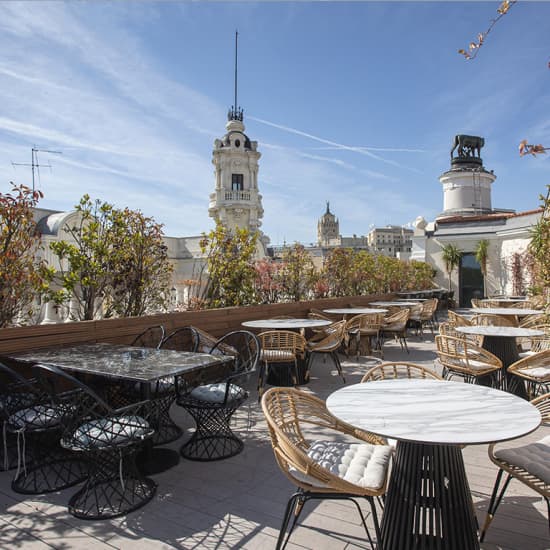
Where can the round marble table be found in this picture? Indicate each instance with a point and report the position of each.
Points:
(501, 341)
(398, 303)
(516, 311)
(429, 504)
(354, 310)
(286, 324)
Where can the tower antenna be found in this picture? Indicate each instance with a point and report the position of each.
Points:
(236, 113)
(35, 164)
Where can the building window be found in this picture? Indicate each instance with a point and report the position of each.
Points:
(237, 182)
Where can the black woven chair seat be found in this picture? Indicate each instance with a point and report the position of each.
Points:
(104, 433)
(213, 394)
(39, 417)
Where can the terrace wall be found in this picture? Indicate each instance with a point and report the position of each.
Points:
(124, 330)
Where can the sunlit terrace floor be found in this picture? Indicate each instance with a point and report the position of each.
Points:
(239, 502)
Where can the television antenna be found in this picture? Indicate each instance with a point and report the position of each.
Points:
(35, 164)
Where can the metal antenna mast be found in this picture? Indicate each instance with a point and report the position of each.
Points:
(236, 46)
(34, 162)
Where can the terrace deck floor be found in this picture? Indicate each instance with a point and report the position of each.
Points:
(239, 502)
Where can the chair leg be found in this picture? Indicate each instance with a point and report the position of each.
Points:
(336, 360)
(363, 521)
(495, 501)
(376, 522)
(290, 508)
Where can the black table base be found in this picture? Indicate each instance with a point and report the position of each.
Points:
(282, 374)
(428, 504)
(155, 460)
(506, 349)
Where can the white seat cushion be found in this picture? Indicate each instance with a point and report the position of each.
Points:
(38, 417)
(362, 464)
(540, 373)
(534, 457)
(215, 393)
(108, 432)
(277, 355)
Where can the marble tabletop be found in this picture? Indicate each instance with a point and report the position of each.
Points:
(401, 303)
(119, 361)
(507, 299)
(505, 311)
(510, 332)
(434, 412)
(286, 323)
(354, 310)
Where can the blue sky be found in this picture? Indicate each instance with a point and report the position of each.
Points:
(352, 102)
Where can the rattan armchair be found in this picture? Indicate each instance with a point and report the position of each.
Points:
(447, 329)
(527, 463)
(531, 321)
(213, 405)
(396, 325)
(535, 371)
(364, 331)
(279, 347)
(424, 315)
(461, 358)
(457, 320)
(107, 439)
(328, 343)
(319, 466)
(399, 369)
(489, 319)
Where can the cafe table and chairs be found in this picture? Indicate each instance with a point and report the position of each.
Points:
(501, 342)
(107, 363)
(280, 377)
(429, 503)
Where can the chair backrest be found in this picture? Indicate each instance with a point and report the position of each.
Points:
(476, 303)
(458, 320)
(398, 370)
(460, 352)
(151, 337)
(540, 343)
(244, 346)
(319, 314)
(332, 339)
(16, 392)
(283, 340)
(542, 402)
(182, 339)
(489, 319)
(397, 321)
(365, 321)
(429, 307)
(530, 321)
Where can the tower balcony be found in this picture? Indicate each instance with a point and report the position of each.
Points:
(236, 196)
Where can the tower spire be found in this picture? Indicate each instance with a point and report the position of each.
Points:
(235, 113)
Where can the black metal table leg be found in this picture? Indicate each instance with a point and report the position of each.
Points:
(428, 504)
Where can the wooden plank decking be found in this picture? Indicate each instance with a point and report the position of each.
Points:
(239, 502)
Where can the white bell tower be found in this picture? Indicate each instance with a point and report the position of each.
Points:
(236, 201)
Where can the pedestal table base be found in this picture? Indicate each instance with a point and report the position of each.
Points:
(428, 504)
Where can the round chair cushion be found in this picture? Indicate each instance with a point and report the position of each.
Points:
(215, 393)
(39, 417)
(109, 432)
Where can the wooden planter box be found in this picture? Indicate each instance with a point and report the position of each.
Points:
(123, 330)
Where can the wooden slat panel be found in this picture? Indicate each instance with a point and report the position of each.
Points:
(124, 330)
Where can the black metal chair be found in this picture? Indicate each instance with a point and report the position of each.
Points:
(108, 439)
(36, 424)
(213, 405)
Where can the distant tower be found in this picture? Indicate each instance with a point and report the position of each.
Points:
(236, 201)
(467, 185)
(328, 229)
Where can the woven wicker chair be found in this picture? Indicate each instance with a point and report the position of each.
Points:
(527, 463)
(213, 405)
(488, 319)
(458, 320)
(399, 369)
(280, 346)
(535, 370)
(318, 466)
(530, 321)
(396, 325)
(36, 424)
(424, 314)
(107, 439)
(151, 337)
(459, 357)
(364, 331)
(329, 343)
(447, 329)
